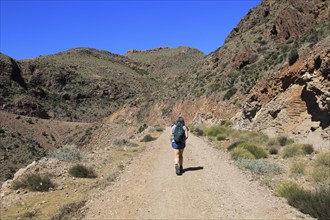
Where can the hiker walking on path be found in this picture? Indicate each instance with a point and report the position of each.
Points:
(179, 135)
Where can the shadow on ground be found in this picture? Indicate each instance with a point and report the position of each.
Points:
(193, 169)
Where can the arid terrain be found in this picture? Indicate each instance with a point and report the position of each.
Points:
(84, 132)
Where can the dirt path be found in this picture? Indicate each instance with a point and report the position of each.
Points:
(211, 188)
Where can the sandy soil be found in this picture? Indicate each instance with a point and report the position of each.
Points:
(211, 188)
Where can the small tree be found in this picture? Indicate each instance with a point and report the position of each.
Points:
(293, 56)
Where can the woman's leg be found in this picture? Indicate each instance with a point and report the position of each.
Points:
(176, 156)
(180, 157)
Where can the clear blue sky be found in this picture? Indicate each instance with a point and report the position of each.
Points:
(33, 28)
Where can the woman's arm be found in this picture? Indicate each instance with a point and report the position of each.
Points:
(187, 129)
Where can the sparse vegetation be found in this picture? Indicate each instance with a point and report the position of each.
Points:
(321, 174)
(284, 140)
(238, 153)
(291, 151)
(316, 203)
(257, 151)
(123, 142)
(323, 159)
(215, 131)
(298, 167)
(293, 56)
(286, 188)
(82, 171)
(273, 150)
(34, 182)
(67, 153)
(147, 138)
(69, 211)
(159, 128)
(262, 166)
(142, 128)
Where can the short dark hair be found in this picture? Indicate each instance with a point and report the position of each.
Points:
(180, 120)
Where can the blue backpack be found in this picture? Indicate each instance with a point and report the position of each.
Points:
(179, 133)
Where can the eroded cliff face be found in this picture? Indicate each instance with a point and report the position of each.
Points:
(295, 100)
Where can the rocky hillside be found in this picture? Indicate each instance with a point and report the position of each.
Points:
(76, 85)
(271, 74)
(165, 62)
(54, 100)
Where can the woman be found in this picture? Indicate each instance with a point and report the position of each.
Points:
(179, 135)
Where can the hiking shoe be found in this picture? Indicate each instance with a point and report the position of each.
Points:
(181, 169)
(177, 169)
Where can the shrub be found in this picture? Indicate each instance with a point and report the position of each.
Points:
(298, 167)
(286, 188)
(257, 151)
(292, 150)
(293, 56)
(34, 182)
(198, 131)
(273, 150)
(142, 128)
(241, 153)
(323, 159)
(321, 174)
(215, 131)
(283, 140)
(234, 145)
(67, 153)
(226, 123)
(69, 211)
(147, 138)
(262, 166)
(159, 128)
(123, 142)
(308, 148)
(230, 93)
(221, 137)
(81, 171)
(273, 142)
(315, 203)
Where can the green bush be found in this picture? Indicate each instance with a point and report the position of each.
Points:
(315, 203)
(283, 140)
(323, 159)
(159, 128)
(198, 131)
(34, 182)
(215, 131)
(273, 142)
(321, 174)
(293, 56)
(292, 150)
(241, 153)
(67, 153)
(226, 123)
(230, 92)
(308, 148)
(286, 188)
(262, 166)
(147, 138)
(81, 171)
(257, 151)
(298, 167)
(234, 145)
(221, 137)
